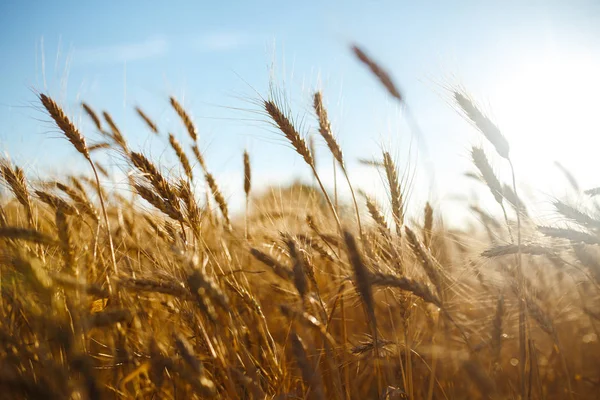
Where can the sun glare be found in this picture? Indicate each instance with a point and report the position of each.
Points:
(548, 109)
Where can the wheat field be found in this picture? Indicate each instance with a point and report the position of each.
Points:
(163, 292)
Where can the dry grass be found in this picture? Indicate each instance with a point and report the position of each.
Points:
(104, 297)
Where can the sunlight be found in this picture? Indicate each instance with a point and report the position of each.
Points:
(547, 109)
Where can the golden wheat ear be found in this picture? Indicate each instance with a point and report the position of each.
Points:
(247, 174)
(279, 269)
(93, 116)
(285, 125)
(427, 225)
(65, 125)
(289, 131)
(78, 141)
(325, 128)
(219, 198)
(117, 136)
(335, 149)
(185, 118)
(409, 285)
(183, 159)
(147, 120)
(395, 192)
(14, 178)
(429, 264)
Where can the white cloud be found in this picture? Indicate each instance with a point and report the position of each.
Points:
(124, 52)
(222, 41)
(155, 47)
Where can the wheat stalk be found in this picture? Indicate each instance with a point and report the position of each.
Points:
(497, 328)
(78, 141)
(312, 379)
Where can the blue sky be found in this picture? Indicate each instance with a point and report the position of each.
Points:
(218, 57)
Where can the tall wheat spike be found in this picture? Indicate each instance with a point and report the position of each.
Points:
(484, 124)
(378, 71)
(289, 131)
(493, 134)
(483, 165)
(334, 148)
(93, 116)
(427, 225)
(185, 163)
(147, 120)
(395, 192)
(185, 118)
(14, 177)
(78, 141)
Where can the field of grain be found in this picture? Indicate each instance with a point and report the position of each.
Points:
(162, 292)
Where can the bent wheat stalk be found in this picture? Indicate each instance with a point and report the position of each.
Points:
(78, 141)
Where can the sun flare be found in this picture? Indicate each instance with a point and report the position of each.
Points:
(547, 107)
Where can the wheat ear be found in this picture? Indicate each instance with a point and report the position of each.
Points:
(147, 120)
(185, 163)
(395, 192)
(378, 71)
(78, 141)
(247, 187)
(93, 116)
(334, 148)
(15, 179)
(185, 118)
(289, 131)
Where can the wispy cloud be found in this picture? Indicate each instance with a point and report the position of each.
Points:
(123, 52)
(223, 41)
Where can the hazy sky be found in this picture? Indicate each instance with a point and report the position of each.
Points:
(533, 65)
